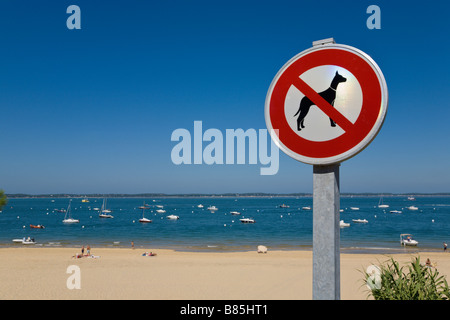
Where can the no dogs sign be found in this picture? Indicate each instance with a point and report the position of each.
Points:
(326, 104)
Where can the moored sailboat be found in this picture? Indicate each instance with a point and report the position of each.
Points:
(105, 213)
(68, 217)
(144, 219)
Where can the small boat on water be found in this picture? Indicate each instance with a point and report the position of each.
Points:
(105, 213)
(144, 219)
(68, 217)
(32, 226)
(173, 217)
(247, 220)
(284, 206)
(200, 206)
(160, 210)
(25, 241)
(360, 221)
(381, 204)
(235, 213)
(306, 208)
(213, 208)
(395, 211)
(412, 208)
(144, 206)
(343, 224)
(406, 239)
(354, 208)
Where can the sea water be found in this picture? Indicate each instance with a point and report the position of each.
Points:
(200, 229)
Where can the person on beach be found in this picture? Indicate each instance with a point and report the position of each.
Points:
(82, 250)
(88, 250)
(132, 244)
(445, 247)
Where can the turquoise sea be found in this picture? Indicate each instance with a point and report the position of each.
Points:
(199, 229)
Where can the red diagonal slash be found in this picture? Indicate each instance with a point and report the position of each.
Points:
(323, 105)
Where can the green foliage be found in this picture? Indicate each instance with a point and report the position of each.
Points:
(417, 282)
(3, 199)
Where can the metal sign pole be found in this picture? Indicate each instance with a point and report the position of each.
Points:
(326, 233)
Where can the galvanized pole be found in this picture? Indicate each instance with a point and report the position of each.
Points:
(326, 233)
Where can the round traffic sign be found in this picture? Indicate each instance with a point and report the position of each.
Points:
(326, 104)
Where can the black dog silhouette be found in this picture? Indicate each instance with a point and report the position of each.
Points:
(329, 95)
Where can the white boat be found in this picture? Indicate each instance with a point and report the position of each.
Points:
(29, 241)
(360, 221)
(412, 208)
(306, 208)
(173, 217)
(200, 206)
(247, 220)
(24, 241)
(284, 206)
(145, 220)
(354, 208)
(411, 198)
(235, 213)
(160, 210)
(213, 208)
(407, 240)
(159, 206)
(68, 217)
(343, 224)
(105, 213)
(381, 205)
(395, 211)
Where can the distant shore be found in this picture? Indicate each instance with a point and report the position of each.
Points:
(119, 273)
(222, 195)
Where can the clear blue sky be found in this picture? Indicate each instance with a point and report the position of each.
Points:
(93, 110)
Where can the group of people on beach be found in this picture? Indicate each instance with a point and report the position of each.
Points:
(88, 253)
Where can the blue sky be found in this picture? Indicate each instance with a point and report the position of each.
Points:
(93, 110)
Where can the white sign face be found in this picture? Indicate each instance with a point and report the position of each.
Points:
(328, 103)
(347, 100)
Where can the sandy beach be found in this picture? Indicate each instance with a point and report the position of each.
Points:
(122, 273)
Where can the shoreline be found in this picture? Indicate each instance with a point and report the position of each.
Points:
(228, 248)
(124, 274)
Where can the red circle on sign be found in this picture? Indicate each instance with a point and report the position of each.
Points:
(353, 135)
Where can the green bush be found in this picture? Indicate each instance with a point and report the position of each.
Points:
(418, 282)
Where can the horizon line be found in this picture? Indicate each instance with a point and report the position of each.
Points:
(226, 194)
